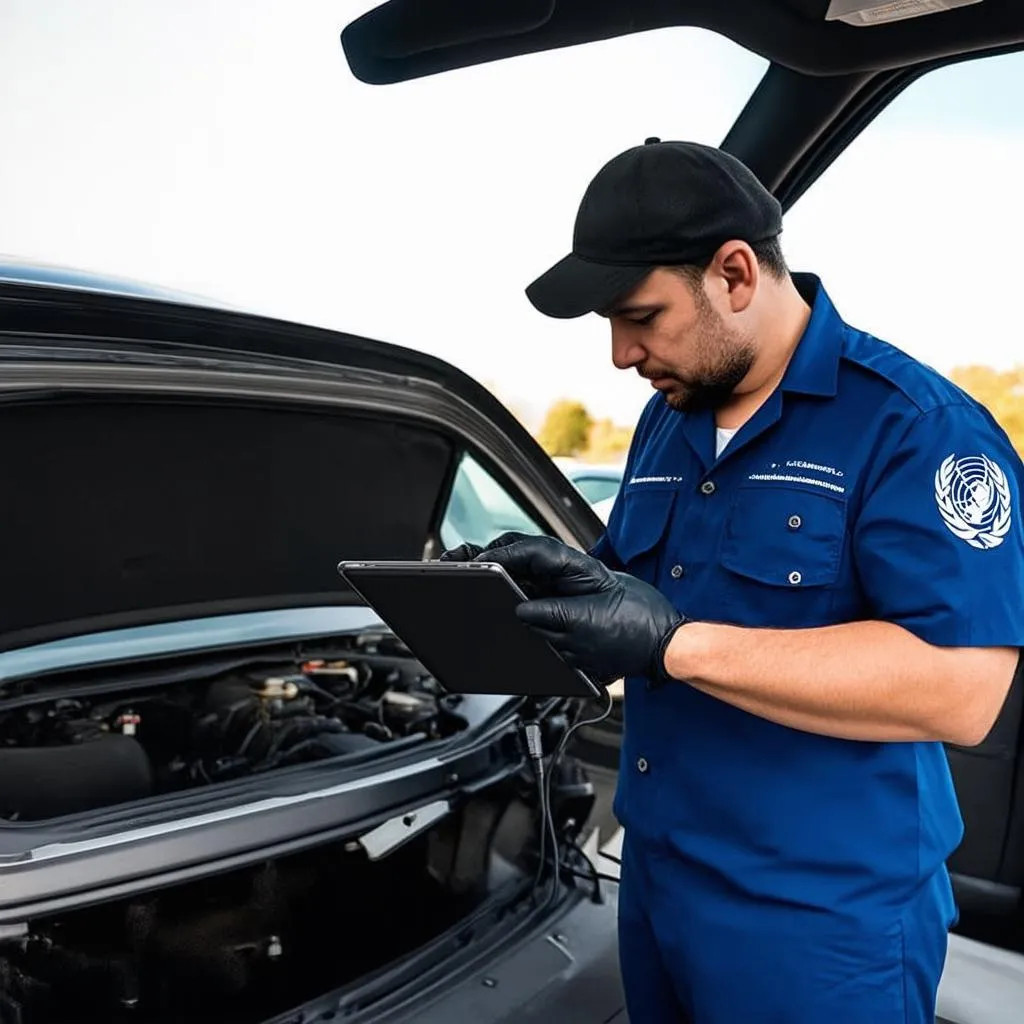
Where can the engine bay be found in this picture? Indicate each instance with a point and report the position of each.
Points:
(330, 920)
(72, 746)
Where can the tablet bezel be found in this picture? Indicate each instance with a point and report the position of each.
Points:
(577, 685)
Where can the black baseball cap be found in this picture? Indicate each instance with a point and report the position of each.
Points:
(659, 204)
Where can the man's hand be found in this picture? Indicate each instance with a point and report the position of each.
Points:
(471, 552)
(605, 623)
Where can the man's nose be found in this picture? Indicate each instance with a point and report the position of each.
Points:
(627, 352)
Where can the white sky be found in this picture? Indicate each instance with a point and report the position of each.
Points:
(223, 147)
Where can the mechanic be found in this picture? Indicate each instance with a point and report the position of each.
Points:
(812, 578)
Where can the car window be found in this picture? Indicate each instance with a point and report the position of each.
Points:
(915, 228)
(480, 509)
(597, 488)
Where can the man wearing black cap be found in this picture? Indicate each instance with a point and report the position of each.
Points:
(811, 578)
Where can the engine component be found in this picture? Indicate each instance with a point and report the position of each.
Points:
(409, 712)
(77, 753)
(46, 782)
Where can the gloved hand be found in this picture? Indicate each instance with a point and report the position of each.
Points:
(607, 624)
(471, 552)
(482, 553)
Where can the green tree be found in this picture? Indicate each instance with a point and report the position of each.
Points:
(566, 428)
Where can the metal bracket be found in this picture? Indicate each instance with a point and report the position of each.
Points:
(390, 835)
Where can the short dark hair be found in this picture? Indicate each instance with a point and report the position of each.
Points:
(769, 257)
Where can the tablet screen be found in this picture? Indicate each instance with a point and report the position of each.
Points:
(459, 621)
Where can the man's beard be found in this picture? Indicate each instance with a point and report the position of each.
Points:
(712, 389)
(726, 358)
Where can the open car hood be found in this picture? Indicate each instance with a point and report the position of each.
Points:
(166, 461)
(404, 39)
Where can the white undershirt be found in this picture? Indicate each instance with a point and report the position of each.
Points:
(722, 438)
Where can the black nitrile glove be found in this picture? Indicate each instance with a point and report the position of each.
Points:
(607, 624)
(481, 553)
(471, 552)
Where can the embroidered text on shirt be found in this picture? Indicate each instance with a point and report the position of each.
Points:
(655, 480)
(793, 478)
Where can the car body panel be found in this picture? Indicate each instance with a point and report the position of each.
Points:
(86, 373)
(396, 42)
(981, 984)
(560, 965)
(597, 482)
(162, 639)
(51, 275)
(568, 972)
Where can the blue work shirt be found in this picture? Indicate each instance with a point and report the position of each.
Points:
(867, 487)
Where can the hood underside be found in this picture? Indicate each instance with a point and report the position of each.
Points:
(150, 477)
(405, 39)
(117, 505)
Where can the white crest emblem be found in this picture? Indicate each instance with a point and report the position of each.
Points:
(973, 496)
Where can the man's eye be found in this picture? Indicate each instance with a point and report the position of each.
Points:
(645, 319)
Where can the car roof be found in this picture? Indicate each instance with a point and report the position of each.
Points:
(826, 79)
(588, 469)
(14, 270)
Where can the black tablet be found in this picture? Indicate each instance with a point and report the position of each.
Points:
(459, 620)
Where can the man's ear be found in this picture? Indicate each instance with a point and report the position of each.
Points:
(736, 269)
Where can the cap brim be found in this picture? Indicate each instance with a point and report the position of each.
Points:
(574, 287)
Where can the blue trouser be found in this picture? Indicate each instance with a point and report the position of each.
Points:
(683, 962)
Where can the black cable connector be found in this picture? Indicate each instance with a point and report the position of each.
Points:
(559, 751)
(535, 750)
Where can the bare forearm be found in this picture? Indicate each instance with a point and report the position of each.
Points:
(863, 680)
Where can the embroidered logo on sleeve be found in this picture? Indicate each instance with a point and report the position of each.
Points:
(973, 496)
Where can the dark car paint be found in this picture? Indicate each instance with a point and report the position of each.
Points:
(405, 39)
(78, 343)
(548, 968)
(94, 323)
(54, 276)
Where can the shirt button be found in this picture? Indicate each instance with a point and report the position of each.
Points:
(676, 571)
(795, 577)
(641, 764)
(795, 522)
(708, 487)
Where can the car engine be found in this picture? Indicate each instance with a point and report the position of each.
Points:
(88, 747)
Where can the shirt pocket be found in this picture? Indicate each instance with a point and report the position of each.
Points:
(779, 539)
(641, 525)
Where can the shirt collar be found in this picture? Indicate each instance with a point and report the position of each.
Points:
(814, 366)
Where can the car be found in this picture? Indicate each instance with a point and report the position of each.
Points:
(597, 482)
(231, 793)
(603, 508)
(227, 791)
